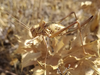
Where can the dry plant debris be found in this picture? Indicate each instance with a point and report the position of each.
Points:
(62, 54)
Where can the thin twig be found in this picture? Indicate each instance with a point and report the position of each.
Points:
(6, 71)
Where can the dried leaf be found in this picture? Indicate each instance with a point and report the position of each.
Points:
(53, 60)
(29, 58)
(92, 48)
(85, 67)
(38, 72)
(72, 61)
(95, 23)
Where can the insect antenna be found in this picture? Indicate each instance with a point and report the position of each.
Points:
(21, 23)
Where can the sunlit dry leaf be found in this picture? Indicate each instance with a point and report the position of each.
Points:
(85, 67)
(66, 50)
(53, 60)
(67, 39)
(29, 58)
(76, 52)
(89, 6)
(97, 62)
(86, 3)
(95, 23)
(20, 49)
(92, 48)
(59, 45)
(38, 72)
(51, 71)
(72, 61)
(77, 41)
(14, 62)
(21, 45)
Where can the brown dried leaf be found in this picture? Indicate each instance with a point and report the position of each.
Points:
(92, 48)
(59, 45)
(51, 71)
(29, 58)
(53, 60)
(85, 67)
(95, 23)
(77, 51)
(20, 49)
(72, 61)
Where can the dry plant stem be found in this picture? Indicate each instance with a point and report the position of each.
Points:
(46, 53)
(67, 16)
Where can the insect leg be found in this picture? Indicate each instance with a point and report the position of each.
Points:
(67, 16)
(89, 19)
(79, 26)
(60, 31)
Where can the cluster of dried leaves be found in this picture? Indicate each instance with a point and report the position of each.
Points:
(61, 54)
(64, 54)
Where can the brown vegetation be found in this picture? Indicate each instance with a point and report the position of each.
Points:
(58, 45)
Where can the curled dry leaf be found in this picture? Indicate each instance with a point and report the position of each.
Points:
(85, 67)
(72, 61)
(38, 72)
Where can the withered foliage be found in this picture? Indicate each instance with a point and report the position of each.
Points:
(73, 53)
